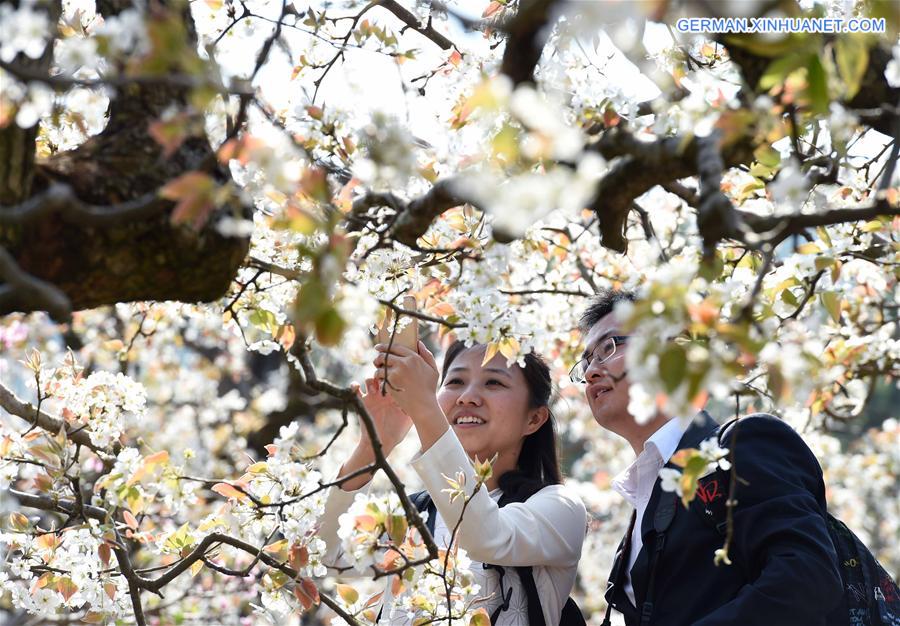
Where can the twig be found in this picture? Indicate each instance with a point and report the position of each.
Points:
(47, 503)
(27, 412)
(419, 315)
(746, 312)
(410, 19)
(730, 503)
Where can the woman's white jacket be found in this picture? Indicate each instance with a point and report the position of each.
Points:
(545, 532)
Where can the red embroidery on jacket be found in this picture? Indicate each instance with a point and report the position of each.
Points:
(709, 491)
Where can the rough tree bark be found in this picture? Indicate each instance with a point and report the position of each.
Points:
(114, 260)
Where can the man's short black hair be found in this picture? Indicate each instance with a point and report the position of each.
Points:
(602, 305)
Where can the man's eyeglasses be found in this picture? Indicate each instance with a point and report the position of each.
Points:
(603, 352)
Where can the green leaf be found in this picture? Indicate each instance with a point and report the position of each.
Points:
(505, 143)
(396, 528)
(759, 171)
(780, 69)
(751, 187)
(278, 578)
(818, 85)
(776, 381)
(832, 302)
(768, 156)
(480, 618)
(764, 46)
(347, 593)
(711, 269)
(823, 262)
(264, 320)
(690, 477)
(672, 367)
(311, 300)
(852, 56)
(180, 539)
(788, 297)
(330, 327)
(871, 226)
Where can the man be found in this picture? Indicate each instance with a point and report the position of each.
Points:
(784, 567)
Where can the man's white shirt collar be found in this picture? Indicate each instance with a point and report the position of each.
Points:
(667, 438)
(658, 449)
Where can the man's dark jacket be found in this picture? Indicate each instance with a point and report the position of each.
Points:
(784, 567)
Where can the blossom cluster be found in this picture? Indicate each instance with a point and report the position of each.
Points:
(376, 536)
(106, 403)
(51, 571)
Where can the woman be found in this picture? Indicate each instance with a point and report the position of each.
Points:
(478, 412)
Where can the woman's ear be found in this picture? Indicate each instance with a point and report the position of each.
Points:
(536, 418)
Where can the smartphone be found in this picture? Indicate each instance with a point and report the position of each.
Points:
(408, 335)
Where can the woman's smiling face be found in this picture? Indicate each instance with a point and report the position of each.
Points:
(488, 407)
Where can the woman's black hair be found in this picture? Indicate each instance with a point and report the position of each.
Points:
(538, 464)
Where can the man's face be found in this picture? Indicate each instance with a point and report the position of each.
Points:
(606, 388)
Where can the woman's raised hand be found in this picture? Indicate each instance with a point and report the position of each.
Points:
(411, 376)
(391, 423)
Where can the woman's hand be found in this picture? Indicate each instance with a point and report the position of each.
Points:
(391, 423)
(410, 378)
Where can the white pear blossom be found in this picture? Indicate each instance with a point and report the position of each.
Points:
(23, 29)
(892, 71)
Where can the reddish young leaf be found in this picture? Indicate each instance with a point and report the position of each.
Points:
(149, 463)
(19, 522)
(374, 599)
(193, 193)
(105, 553)
(299, 556)
(397, 586)
(492, 8)
(130, 519)
(66, 587)
(224, 489)
(94, 617)
(42, 582)
(42, 482)
(275, 548)
(47, 541)
(171, 133)
(306, 592)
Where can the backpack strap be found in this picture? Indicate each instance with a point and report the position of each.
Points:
(526, 577)
(505, 596)
(665, 513)
(423, 502)
(571, 614)
(535, 611)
